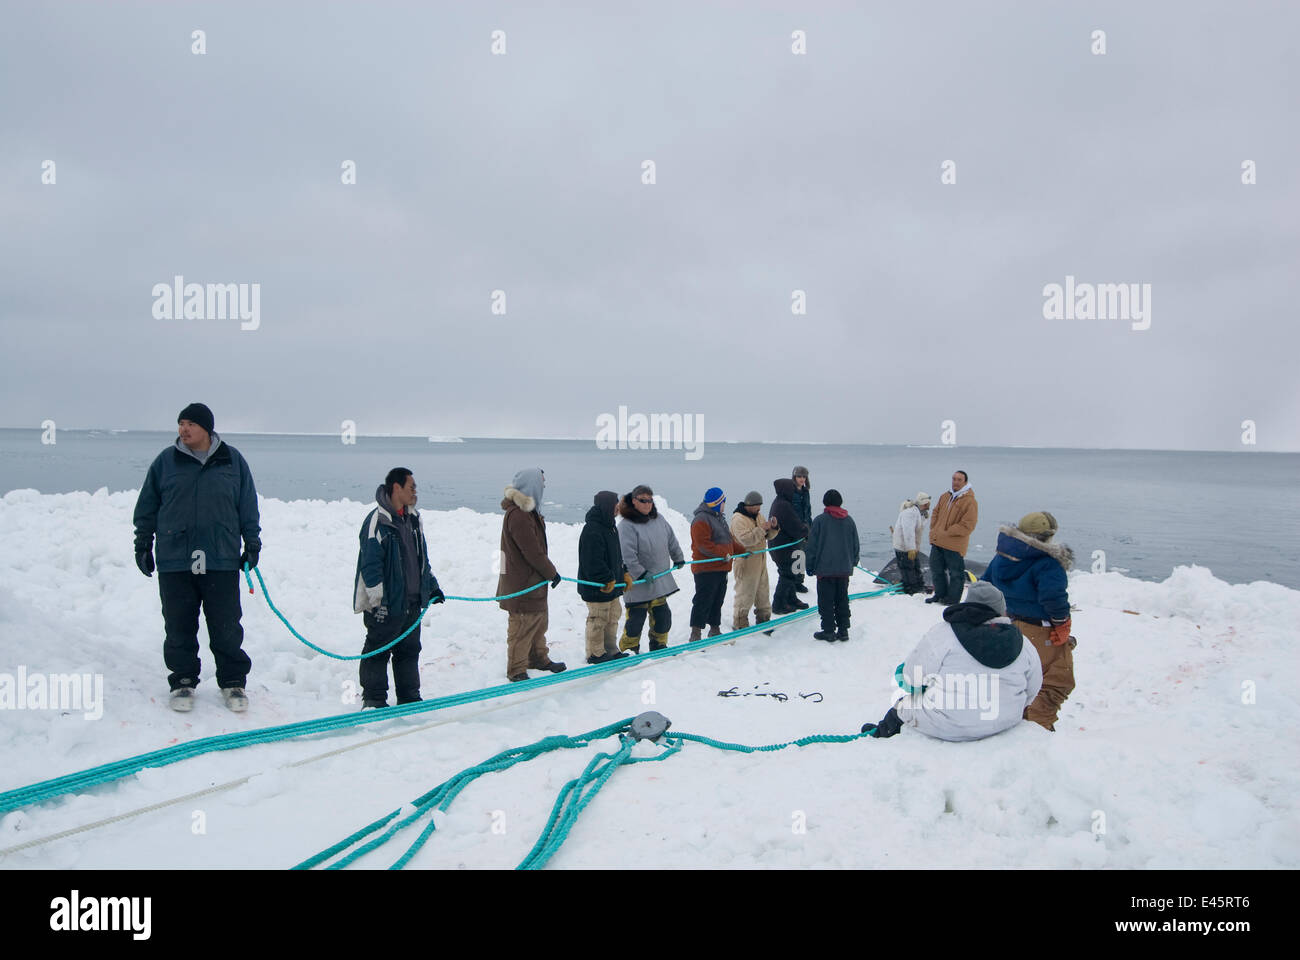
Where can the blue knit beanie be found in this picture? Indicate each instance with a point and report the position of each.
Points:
(713, 498)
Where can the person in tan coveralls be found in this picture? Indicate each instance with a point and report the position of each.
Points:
(753, 531)
(524, 563)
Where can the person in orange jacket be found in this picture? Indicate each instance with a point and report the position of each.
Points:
(711, 538)
(951, 525)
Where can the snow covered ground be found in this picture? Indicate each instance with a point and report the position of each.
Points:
(1178, 749)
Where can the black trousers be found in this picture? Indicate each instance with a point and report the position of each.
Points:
(706, 606)
(405, 657)
(217, 591)
(909, 572)
(833, 603)
(661, 622)
(948, 571)
(784, 596)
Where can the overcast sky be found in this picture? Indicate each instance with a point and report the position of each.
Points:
(774, 171)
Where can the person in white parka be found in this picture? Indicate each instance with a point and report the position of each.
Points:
(907, 531)
(970, 677)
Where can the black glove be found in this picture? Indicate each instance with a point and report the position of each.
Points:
(889, 725)
(437, 597)
(679, 564)
(144, 560)
(249, 556)
(556, 582)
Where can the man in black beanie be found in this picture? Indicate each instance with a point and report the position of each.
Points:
(198, 499)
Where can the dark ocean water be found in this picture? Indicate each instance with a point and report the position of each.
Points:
(1149, 511)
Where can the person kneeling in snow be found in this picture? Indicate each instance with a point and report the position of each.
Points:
(970, 677)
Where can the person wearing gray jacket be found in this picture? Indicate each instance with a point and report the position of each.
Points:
(649, 547)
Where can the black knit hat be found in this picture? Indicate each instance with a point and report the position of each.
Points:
(198, 413)
(832, 498)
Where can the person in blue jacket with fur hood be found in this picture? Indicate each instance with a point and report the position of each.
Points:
(1031, 571)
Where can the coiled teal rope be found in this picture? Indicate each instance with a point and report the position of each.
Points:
(106, 773)
(573, 798)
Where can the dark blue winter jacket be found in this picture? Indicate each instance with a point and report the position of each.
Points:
(1032, 576)
(833, 549)
(381, 576)
(191, 506)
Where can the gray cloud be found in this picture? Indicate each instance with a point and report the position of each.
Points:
(775, 172)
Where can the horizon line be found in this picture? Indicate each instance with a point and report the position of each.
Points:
(824, 443)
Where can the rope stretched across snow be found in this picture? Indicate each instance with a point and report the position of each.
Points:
(105, 773)
(507, 596)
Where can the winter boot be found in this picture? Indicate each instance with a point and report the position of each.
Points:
(695, 635)
(740, 623)
(629, 644)
(763, 618)
(235, 699)
(518, 677)
(842, 634)
(799, 604)
(824, 635)
(183, 699)
(606, 657)
(715, 630)
(658, 640)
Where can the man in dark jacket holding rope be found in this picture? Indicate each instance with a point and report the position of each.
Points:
(393, 585)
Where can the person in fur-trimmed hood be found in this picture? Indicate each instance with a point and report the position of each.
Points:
(1031, 572)
(524, 564)
(710, 538)
(907, 530)
(649, 547)
(970, 676)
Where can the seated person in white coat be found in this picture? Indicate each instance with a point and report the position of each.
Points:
(970, 677)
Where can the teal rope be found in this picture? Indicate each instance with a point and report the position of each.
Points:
(337, 656)
(105, 773)
(573, 798)
(505, 596)
(441, 797)
(563, 817)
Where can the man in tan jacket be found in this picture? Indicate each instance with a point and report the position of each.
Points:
(951, 524)
(753, 531)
